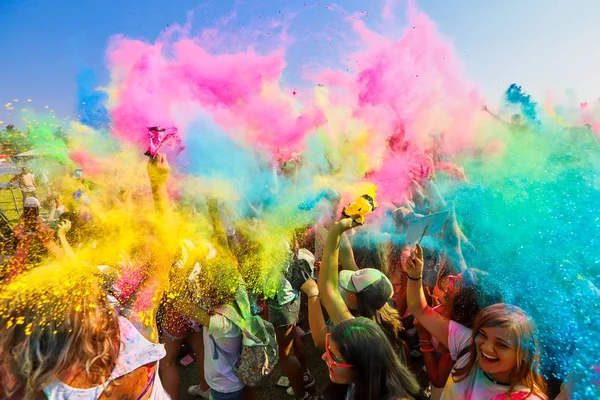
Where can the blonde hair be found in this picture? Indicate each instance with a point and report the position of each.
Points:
(515, 320)
(388, 318)
(53, 324)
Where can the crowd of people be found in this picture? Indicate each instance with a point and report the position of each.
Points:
(86, 314)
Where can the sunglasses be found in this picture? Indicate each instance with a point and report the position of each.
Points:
(452, 281)
(331, 358)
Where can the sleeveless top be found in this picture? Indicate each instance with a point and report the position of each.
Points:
(136, 351)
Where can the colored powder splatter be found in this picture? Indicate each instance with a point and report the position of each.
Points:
(532, 216)
(91, 102)
(515, 95)
(272, 153)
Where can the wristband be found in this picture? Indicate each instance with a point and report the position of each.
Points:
(414, 279)
(314, 295)
(427, 349)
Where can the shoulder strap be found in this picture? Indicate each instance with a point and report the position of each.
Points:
(463, 352)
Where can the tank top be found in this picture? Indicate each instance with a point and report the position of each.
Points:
(136, 351)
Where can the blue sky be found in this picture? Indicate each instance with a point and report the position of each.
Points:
(540, 44)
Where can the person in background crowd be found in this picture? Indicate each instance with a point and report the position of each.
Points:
(33, 237)
(26, 181)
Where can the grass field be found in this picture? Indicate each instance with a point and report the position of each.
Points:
(7, 204)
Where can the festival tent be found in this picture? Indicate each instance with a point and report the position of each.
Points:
(29, 153)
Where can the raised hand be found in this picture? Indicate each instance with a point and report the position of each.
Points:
(64, 227)
(158, 169)
(414, 263)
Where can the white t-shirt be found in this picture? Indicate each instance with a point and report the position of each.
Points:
(28, 182)
(218, 363)
(476, 386)
(135, 352)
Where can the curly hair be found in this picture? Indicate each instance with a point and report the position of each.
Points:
(51, 324)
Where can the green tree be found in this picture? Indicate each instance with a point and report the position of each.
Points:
(13, 141)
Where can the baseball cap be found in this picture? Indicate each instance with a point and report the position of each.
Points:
(363, 279)
(31, 202)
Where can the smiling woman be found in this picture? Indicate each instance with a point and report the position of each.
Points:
(497, 359)
(503, 355)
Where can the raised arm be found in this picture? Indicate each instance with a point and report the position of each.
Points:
(346, 254)
(142, 306)
(316, 320)
(158, 172)
(452, 241)
(53, 249)
(496, 117)
(437, 200)
(46, 237)
(63, 228)
(52, 212)
(437, 371)
(192, 311)
(328, 275)
(219, 234)
(435, 324)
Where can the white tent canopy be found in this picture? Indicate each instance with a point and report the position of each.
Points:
(29, 153)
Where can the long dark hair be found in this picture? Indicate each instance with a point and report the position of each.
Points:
(380, 375)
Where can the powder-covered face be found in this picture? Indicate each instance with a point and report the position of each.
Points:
(497, 352)
(448, 287)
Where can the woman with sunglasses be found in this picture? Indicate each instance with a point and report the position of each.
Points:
(372, 365)
(358, 354)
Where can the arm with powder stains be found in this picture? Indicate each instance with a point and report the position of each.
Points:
(346, 254)
(190, 310)
(316, 320)
(431, 191)
(46, 237)
(433, 322)
(143, 304)
(453, 237)
(219, 234)
(62, 230)
(328, 275)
